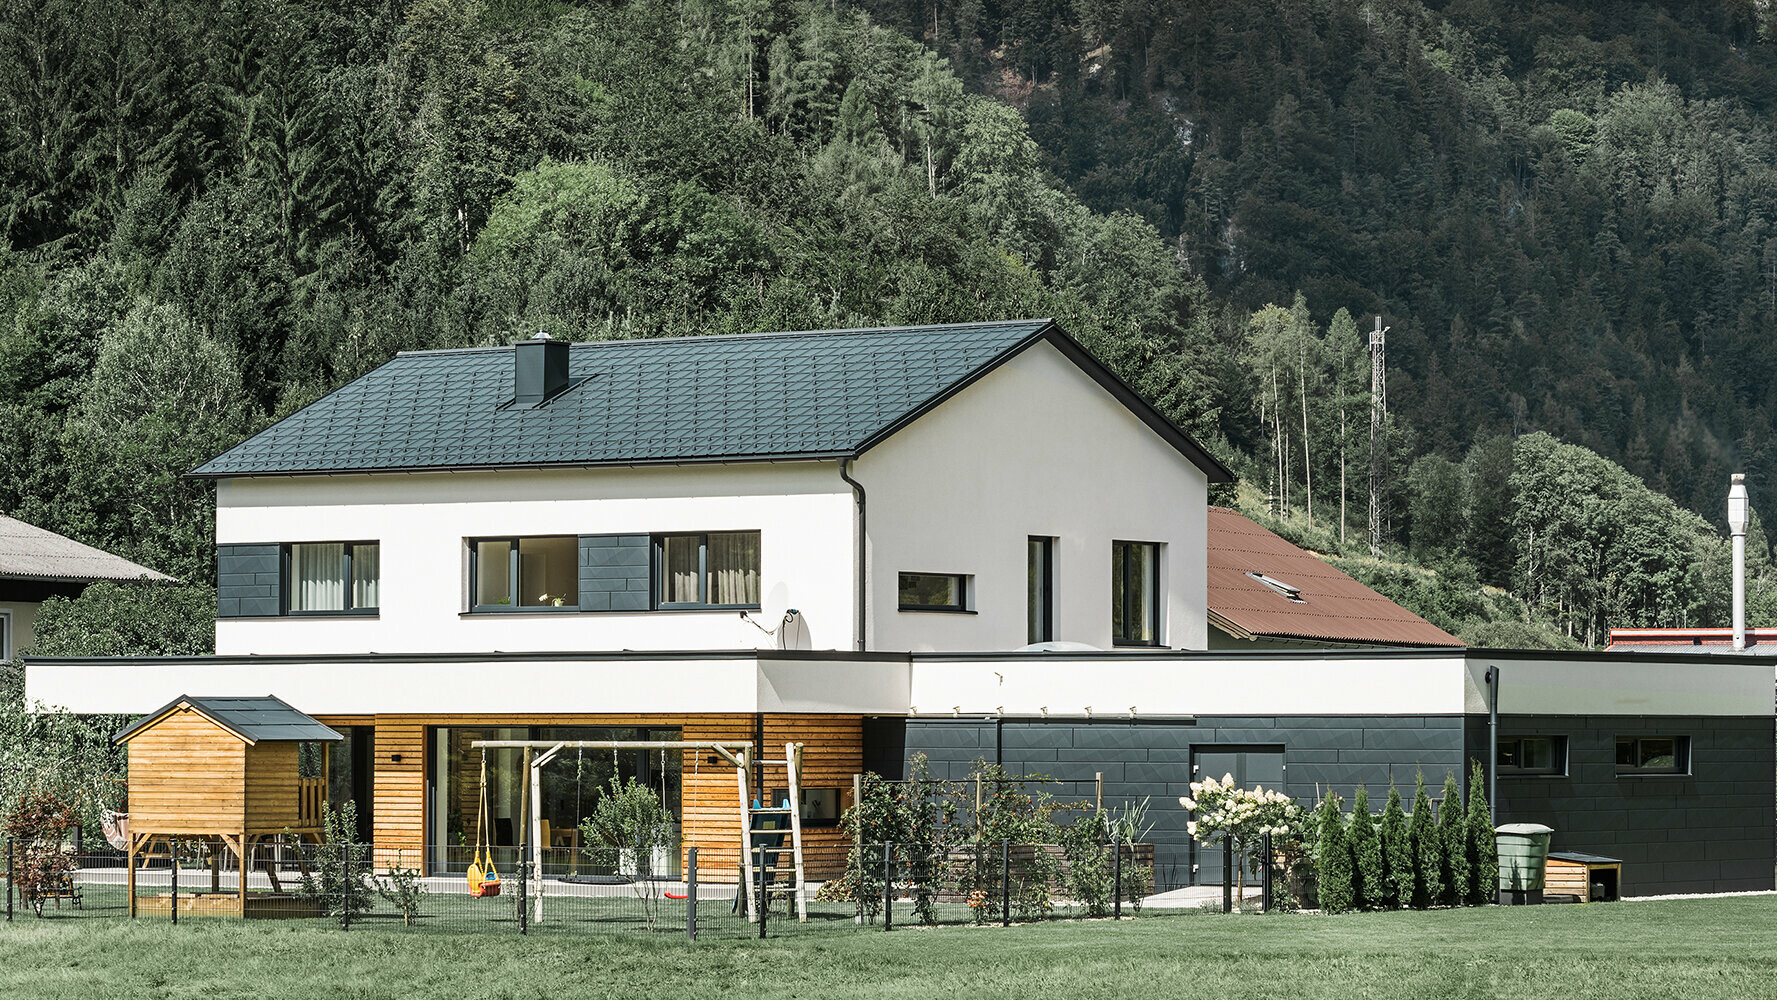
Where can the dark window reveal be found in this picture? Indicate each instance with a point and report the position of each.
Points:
(933, 592)
(1533, 755)
(711, 570)
(1135, 594)
(1040, 590)
(509, 574)
(1653, 755)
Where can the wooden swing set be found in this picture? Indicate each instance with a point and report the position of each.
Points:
(761, 832)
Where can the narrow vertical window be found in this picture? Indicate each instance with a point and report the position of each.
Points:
(1040, 605)
(1135, 593)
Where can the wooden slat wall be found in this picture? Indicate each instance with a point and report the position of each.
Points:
(271, 787)
(711, 822)
(398, 791)
(187, 775)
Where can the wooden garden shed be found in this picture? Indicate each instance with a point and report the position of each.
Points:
(223, 771)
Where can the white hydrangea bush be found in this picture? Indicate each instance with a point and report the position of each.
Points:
(1223, 810)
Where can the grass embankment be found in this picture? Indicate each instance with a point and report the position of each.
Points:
(1680, 949)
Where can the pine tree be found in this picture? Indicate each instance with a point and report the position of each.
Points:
(1422, 835)
(1453, 843)
(1369, 884)
(1397, 853)
(1332, 858)
(1483, 855)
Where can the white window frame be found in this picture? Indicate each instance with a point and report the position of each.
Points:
(6, 634)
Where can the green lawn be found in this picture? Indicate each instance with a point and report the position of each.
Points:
(1688, 949)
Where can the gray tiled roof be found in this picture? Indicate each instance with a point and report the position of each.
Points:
(32, 553)
(255, 720)
(817, 394)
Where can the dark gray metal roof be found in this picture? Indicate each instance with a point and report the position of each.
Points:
(254, 720)
(749, 397)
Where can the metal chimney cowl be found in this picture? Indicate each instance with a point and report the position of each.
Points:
(1737, 520)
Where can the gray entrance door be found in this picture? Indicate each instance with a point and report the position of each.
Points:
(1250, 766)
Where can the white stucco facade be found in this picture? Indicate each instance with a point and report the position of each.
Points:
(1035, 448)
(423, 523)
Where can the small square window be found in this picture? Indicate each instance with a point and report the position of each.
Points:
(1653, 755)
(933, 592)
(820, 806)
(1533, 755)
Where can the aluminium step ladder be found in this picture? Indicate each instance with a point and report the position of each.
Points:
(772, 858)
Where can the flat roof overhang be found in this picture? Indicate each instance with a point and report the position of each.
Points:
(1062, 684)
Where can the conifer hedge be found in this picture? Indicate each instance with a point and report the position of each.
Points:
(1369, 882)
(1332, 858)
(1453, 843)
(1397, 853)
(1483, 853)
(1427, 851)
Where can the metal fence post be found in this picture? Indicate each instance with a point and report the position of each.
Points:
(691, 894)
(1266, 899)
(1006, 882)
(524, 883)
(764, 898)
(345, 885)
(9, 880)
(1116, 877)
(1227, 875)
(888, 886)
(173, 850)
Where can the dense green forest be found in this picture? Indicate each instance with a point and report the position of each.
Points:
(214, 213)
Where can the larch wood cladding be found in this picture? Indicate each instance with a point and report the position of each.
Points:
(272, 774)
(710, 819)
(188, 775)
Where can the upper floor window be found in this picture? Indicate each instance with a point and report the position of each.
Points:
(718, 569)
(525, 573)
(332, 578)
(1040, 590)
(1533, 755)
(1653, 755)
(1135, 594)
(932, 592)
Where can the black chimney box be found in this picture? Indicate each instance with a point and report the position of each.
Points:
(539, 371)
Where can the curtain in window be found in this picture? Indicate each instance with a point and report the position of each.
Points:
(678, 577)
(317, 577)
(734, 568)
(366, 575)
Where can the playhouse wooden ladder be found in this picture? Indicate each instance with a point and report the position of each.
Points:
(773, 857)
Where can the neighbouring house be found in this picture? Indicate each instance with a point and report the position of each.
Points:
(968, 541)
(36, 565)
(1265, 593)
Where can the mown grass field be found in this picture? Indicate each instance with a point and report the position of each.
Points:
(1679, 949)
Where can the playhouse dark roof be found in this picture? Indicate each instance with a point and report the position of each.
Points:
(750, 397)
(254, 720)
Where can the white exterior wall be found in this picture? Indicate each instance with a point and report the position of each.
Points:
(1034, 448)
(803, 511)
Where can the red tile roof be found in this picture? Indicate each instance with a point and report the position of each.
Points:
(1332, 608)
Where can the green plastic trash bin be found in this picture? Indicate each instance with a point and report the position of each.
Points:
(1523, 858)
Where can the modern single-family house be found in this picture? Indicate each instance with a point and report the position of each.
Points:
(36, 565)
(969, 541)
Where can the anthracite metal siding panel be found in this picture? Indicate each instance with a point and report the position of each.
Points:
(1713, 830)
(1153, 759)
(614, 572)
(248, 581)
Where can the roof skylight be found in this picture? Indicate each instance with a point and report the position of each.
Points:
(1292, 593)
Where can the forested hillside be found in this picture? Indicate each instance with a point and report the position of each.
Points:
(214, 213)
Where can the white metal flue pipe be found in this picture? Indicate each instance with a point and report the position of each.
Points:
(1737, 529)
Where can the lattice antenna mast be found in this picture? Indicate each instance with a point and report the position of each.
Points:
(1378, 410)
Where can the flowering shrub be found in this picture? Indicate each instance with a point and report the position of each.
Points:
(1240, 816)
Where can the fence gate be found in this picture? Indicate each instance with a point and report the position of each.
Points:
(1250, 766)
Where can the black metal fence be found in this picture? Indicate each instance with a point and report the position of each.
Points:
(341, 886)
